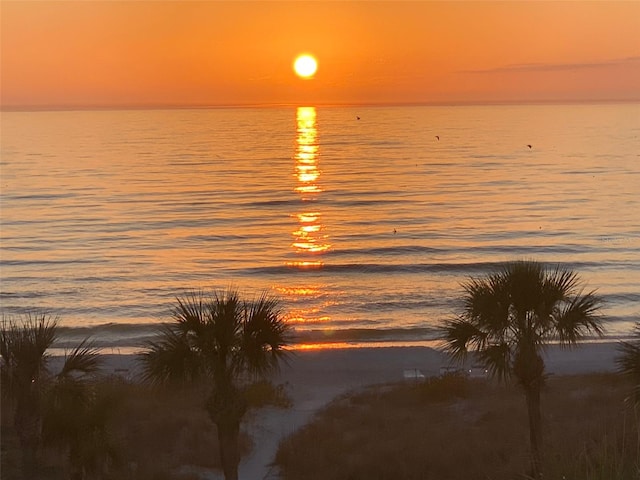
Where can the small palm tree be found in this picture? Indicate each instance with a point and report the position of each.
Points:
(27, 380)
(508, 318)
(629, 363)
(23, 346)
(218, 340)
(76, 414)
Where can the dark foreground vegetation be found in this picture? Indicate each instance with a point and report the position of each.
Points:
(70, 423)
(455, 428)
(153, 432)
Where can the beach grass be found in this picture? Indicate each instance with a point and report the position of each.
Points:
(457, 428)
(443, 428)
(159, 433)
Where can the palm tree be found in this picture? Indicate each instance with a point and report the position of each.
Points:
(507, 319)
(23, 347)
(76, 414)
(219, 339)
(629, 363)
(27, 380)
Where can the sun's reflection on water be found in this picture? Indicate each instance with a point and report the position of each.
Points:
(309, 238)
(310, 241)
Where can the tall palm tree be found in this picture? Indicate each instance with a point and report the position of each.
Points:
(27, 378)
(629, 363)
(219, 340)
(507, 319)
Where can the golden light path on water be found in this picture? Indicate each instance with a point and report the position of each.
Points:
(310, 239)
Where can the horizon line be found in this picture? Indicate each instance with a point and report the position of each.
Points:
(203, 106)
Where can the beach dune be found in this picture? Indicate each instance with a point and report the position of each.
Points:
(314, 377)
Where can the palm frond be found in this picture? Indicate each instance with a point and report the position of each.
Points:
(497, 359)
(628, 362)
(226, 317)
(523, 280)
(486, 304)
(264, 336)
(170, 359)
(190, 312)
(44, 331)
(83, 360)
(561, 283)
(579, 318)
(461, 336)
(23, 346)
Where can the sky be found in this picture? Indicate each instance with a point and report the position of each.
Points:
(147, 53)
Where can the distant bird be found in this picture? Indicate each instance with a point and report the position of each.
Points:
(529, 146)
(394, 231)
(437, 137)
(357, 117)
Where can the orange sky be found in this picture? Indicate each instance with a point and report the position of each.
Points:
(121, 53)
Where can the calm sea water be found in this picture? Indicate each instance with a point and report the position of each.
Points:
(364, 227)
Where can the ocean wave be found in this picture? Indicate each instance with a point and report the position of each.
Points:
(620, 298)
(358, 335)
(419, 249)
(396, 250)
(41, 196)
(220, 238)
(403, 304)
(109, 335)
(462, 268)
(273, 203)
(365, 203)
(43, 261)
(114, 335)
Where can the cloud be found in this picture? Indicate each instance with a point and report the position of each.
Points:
(555, 67)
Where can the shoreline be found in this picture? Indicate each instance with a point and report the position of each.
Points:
(66, 345)
(384, 362)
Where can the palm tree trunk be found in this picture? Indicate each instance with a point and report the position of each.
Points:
(228, 434)
(226, 407)
(27, 424)
(535, 430)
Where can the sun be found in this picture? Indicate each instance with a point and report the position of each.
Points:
(305, 66)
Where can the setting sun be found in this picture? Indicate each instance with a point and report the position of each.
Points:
(305, 66)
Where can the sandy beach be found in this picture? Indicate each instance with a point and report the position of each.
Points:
(315, 377)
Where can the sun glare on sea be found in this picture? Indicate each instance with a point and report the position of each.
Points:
(305, 66)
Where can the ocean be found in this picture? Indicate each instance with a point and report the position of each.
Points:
(364, 221)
